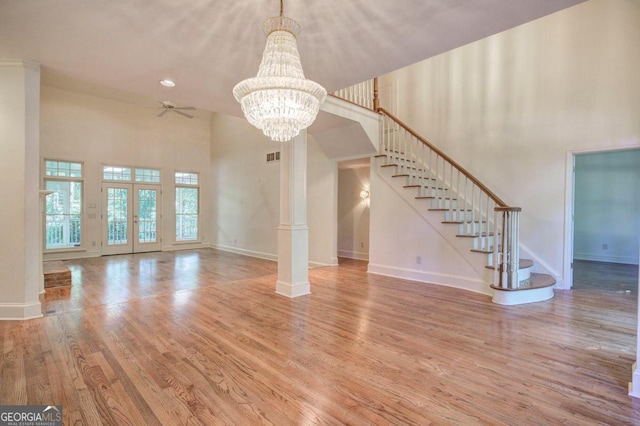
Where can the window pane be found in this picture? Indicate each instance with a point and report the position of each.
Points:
(116, 173)
(186, 178)
(63, 214)
(186, 214)
(148, 175)
(62, 168)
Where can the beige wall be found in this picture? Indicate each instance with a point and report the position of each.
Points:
(246, 193)
(513, 107)
(98, 131)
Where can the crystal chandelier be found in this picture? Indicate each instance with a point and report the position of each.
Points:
(279, 100)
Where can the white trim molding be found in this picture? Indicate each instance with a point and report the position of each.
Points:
(462, 283)
(20, 311)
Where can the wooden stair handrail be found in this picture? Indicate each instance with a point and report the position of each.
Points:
(494, 197)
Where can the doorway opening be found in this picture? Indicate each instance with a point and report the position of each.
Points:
(606, 230)
(354, 186)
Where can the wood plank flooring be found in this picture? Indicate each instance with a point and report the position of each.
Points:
(605, 276)
(200, 337)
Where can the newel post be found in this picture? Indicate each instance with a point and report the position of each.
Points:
(508, 253)
(376, 100)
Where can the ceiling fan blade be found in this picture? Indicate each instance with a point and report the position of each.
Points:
(163, 113)
(182, 113)
(186, 107)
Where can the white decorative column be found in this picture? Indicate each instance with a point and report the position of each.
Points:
(20, 252)
(43, 204)
(634, 385)
(293, 232)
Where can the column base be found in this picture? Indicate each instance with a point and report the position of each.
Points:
(292, 290)
(634, 385)
(20, 311)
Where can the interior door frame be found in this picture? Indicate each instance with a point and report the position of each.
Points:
(567, 279)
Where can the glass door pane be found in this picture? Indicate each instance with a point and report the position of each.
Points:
(116, 216)
(146, 218)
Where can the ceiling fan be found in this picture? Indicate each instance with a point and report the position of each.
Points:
(169, 106)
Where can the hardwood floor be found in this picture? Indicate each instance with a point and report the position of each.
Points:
(605, 276)
(200, 337)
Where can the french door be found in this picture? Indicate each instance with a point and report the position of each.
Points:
(131, 218)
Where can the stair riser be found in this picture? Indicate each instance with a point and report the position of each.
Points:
(457, 216)
(485, 243)
(472, 228)
(443, 203)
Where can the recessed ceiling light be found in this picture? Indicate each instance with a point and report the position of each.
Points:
(167, 83)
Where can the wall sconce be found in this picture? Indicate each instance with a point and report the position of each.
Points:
(364, 194)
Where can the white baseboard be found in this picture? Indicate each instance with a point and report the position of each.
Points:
(268, 256)
(245, 252)
(463, 283)
(184, 246)
(20, 311)
(68, 255)
(520, 297)
(357, 255)
(628, 260)
(313, 264)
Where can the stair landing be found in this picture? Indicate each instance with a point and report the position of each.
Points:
(56, 274)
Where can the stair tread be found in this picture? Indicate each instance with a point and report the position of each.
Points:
(522, 264)
(536, 281)
(484, 251)
(389, 165)
(402, 175)
(454, 210)
(477, 235)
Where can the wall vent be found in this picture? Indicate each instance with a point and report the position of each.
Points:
(273, 156)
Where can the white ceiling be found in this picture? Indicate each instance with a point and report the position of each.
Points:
(207, 46)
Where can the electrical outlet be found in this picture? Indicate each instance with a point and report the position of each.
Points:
(419, 260)
(605, 246)
(361, 244)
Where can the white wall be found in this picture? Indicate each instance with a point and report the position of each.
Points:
(97, 131)
(607, 207)
(246, 193)
(511, 107)
(353, 213)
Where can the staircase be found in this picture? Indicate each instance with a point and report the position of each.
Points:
(420, 172)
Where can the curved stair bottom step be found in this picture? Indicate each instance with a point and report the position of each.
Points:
(536, 289)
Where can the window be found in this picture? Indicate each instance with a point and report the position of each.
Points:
(186, 178)
(116, 173)
(147, 175)
(187, 200)
(63, 209)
